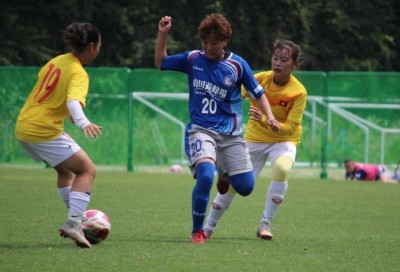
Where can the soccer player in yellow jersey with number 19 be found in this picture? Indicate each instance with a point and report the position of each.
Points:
(59, 93)
(287, 97)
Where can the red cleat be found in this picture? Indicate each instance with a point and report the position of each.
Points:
(198, 237)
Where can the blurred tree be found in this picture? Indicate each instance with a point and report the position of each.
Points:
(334, 34)
(351, 35)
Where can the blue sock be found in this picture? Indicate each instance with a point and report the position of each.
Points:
(243, 183)
(201, 193)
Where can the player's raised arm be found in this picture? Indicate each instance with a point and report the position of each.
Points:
(164, 26)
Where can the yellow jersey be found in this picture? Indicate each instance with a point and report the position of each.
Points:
(41, 119)
(287, 103)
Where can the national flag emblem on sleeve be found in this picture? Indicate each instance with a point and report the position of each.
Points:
(283, 103)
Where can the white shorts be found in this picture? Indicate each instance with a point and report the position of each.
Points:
(384, 172)
(229, 152)
(52, 152)
(261, 152)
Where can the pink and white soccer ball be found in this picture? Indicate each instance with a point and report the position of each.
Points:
(176, 168)
(96, 226)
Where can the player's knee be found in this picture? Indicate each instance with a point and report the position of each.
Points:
(243, 183)
(205, 172)
(281, 168)
(89, 172)
(92, 171)
(205, 178)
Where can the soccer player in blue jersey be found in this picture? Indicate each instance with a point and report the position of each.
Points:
(214, 134)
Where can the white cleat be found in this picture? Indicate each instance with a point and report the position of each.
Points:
(76, 234)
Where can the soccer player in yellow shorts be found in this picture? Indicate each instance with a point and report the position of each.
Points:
(287, 97)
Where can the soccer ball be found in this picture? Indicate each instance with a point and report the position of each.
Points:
(176, 168)
(96, 226)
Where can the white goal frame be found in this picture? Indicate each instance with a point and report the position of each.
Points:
(333, 105)
(145, 99)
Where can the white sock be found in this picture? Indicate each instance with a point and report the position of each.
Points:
(220, 204)
(275, 195)
(64, 194)
(78, 203)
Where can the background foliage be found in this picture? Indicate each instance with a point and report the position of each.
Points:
(345, 35)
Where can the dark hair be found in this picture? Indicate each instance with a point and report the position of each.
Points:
(346, 161)
(216, 24)
(78, 35)
(295, 50)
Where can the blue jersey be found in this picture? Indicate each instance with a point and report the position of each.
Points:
(215, 100)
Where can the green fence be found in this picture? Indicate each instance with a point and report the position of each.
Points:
(135, 134)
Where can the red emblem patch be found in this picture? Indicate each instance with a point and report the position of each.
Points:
(283, 103)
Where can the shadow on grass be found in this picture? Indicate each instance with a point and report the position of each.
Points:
(221, 240)
(11, 247)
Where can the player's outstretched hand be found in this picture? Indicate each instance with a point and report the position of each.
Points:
(256, 115)
(92, 130)
(165, 24)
